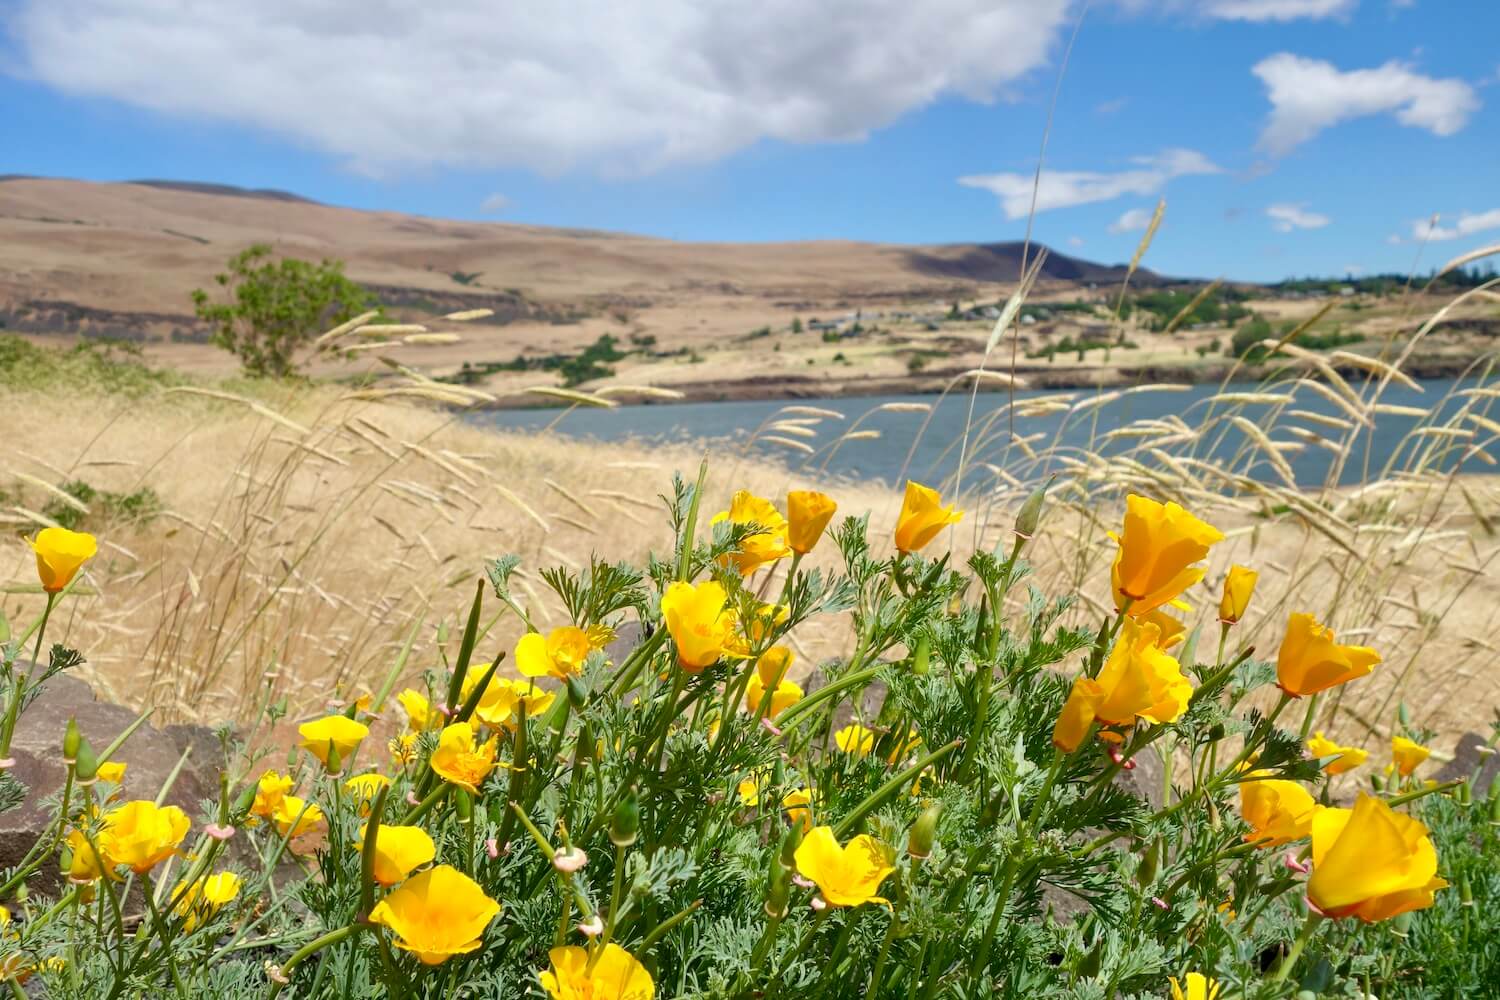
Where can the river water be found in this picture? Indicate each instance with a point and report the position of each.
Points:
(1389, 444)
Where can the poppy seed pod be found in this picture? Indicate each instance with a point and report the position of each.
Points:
(625, 825)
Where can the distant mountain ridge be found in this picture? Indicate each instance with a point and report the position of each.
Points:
(121, 259)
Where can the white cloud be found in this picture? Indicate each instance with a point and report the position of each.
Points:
(1135, 220)
(1310, 95)
(618, 87)
(1064, 188)
(1075, 242)
(1278, 10)
(1111, 107)
(1285, 218)
(1467, 224)
(494, 204)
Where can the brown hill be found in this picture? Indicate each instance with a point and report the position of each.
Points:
(121, 259)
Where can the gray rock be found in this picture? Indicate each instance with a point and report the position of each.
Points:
(1469, 759)
(150, 753)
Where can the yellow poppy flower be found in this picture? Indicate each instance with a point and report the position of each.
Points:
(1278, 812)
(1348, 757)
(197, 902)
(506, 699)
(615, 975)
(111, 771)
(398, 851)
(807, 514)
(561, 653)
(1159, 547)
(269, 791)
(1371, 862)
(1172, 631)
(59, 555)
(420, 714)
(295, 817)
(764, 546)
(1238, 586)
(922, 517)
(846, 875)
(363, 788)
(1138, 680)
(1310, 661)
(1407, 755)
(855, 739)
(141, 834)
(797, 804)
(437, 914)
(748, 791)
(770, 675)
(783, 696)
(700, 622)
(1198, 987)
(458, 761)
(84, 865)
(335, 731)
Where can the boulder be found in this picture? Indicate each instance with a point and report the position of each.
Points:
(1471, 757)
(151, 754)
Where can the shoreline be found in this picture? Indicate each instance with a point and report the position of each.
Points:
(933, 381)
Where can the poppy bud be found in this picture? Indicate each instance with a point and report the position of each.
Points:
(87, 765)
(1145, 872)
(465, 805)
(790, 841)
(921, 660)
(1462, 794)
(1465, 891)
(1495, 812)
(335, 763)
(1404, 714)
(578, 694)
(71, 739)
(1377, 783)
(625, 825)
(4, 628)
(1401, 926)
(924, 832)
(1092, 960)
(1030, 514)
(1306, 995)
(779, 892)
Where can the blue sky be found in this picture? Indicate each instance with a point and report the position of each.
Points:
(1287, 136)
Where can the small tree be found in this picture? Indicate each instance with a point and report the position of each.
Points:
(276, 307)
(1247, 336)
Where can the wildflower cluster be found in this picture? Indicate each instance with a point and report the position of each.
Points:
(954, 810)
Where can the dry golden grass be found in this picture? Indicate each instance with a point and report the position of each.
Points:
(305, 535)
